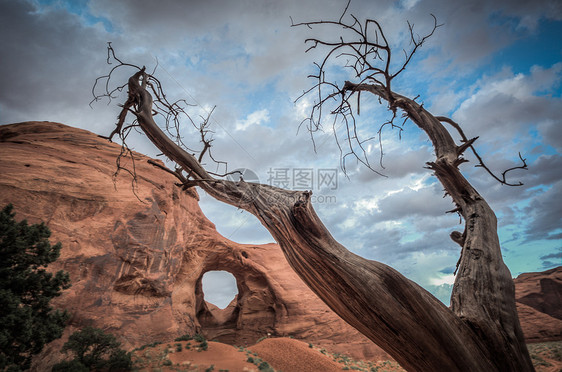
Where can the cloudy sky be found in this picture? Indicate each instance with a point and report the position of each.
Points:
(494, 67)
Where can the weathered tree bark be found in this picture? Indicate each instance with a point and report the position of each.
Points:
(483, 294)
(480, 333)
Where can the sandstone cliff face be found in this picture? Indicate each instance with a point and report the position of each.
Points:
(539, 303)
(136, 253)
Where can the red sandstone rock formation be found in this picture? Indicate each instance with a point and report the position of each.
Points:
(136, 255)
(539, 303)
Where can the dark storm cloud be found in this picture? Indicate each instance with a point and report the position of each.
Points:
(545, 211)
(251, 39)
(505, 106)
(49, 61)
(542, 171)
(400, 162)
(261, 30)
(470, 36)
(552, 260)
(545, 170)
(388, 245)
(542, 184)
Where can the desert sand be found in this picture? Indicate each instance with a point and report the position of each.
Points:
(272, 354)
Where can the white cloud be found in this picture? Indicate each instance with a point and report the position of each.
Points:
(367, 206)
(255, 118)
(219, 288)
(442, 279)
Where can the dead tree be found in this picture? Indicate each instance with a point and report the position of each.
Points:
(480, 332)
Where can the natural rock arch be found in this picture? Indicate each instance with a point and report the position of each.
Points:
(254, 307)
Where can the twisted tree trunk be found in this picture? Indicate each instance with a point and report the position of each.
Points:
(480, 333)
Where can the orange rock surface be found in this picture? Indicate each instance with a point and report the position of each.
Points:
(218, 355)
(136, 253)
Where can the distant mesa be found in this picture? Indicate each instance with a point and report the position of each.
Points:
(539, 303)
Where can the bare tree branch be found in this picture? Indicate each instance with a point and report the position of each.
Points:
(173, 113)
(371, 57)
(468, 144)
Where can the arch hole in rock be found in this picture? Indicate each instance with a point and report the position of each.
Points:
(219, 288)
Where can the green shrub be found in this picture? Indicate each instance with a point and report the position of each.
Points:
(537, 360)
(204, 345)
(28, 321)
(119, 360)
(152, 344)
(70, 366)
(186, 337)
(96, 350)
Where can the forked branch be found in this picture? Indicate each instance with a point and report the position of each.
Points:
(468, 144)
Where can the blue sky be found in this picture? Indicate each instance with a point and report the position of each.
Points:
(494, 67)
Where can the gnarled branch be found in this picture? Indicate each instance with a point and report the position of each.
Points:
(367, 294)
(480, 332)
